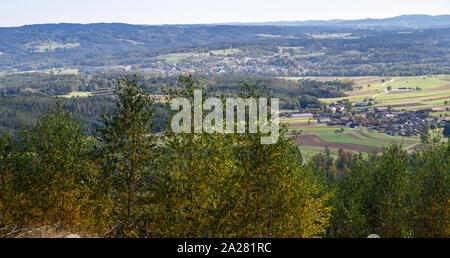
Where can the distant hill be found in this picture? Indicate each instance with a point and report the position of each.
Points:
(417, 21)
(408, 45)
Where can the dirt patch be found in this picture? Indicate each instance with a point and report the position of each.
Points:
(314, 140)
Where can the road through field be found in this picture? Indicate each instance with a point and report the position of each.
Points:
(385, 89)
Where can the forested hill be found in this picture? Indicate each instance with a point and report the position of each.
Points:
(306, 49)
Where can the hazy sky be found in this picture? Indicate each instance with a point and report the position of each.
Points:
(20, 12)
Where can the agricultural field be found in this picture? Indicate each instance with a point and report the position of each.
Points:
(414, 93)
(176, 58)
(404, 94)
(315, 137)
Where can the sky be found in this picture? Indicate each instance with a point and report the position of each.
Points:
(22, 12)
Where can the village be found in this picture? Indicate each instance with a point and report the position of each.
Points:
(362, 116)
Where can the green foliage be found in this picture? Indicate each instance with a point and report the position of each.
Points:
(18, 112)
(20, 107)
(127, 158)
(294, 51)
(47, 173)
(133, 182)
(446, 131)
(219, 185)
(394, 194)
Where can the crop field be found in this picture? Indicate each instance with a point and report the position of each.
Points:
(313, 137)
(405, 93)
(357, 141)
(413, 93)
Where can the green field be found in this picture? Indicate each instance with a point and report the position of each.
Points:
(225, 52)
(382, 142)
(310, 151)
(434, 91)
(50, 46)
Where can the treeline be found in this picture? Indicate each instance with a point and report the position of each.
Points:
(133, 182)
(24, 97)
(43, 84)
(17, 112)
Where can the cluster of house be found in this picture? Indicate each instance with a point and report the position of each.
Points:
(382, 119)
(223, 64)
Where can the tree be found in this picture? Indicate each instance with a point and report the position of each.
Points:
(395, 195)
(429, 188)
(370, 196)
(446, 131)
(49, 171)
(425, 134)
(231, 185)
(127, 158)
(8, 199)
(348, 107)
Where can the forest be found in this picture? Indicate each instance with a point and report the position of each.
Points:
(133, 181)
(291, 50)
(24, 97)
